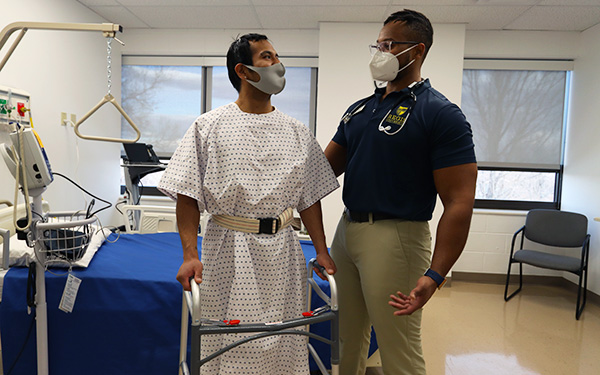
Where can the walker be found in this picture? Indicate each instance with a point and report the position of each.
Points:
(327, 312)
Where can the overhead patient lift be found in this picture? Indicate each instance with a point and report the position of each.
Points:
(108, 98)
(109, 31)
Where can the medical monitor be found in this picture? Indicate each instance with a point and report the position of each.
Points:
(141, 153)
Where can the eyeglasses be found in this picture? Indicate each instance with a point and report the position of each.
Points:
(386, 46)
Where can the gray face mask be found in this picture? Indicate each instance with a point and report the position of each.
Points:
(272, 80)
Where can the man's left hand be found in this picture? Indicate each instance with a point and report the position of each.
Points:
(417, 298)
(325, 260)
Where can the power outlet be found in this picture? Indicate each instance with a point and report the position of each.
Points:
(63, 118)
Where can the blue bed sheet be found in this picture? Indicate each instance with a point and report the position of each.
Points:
(127, 316)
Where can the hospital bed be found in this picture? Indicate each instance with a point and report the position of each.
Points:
(126, 317)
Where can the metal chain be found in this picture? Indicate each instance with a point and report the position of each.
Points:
(109, 61)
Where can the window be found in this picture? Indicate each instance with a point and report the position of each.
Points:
(162, 101)
(164, 95)
(518, 120)
(294, 100)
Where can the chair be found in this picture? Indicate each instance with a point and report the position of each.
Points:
(559, 229)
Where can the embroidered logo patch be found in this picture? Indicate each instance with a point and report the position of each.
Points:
(397, 118)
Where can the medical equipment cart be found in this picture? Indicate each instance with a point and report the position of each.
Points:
(199, 327)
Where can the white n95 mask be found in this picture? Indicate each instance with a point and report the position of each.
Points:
(385, 66)
(272, 80)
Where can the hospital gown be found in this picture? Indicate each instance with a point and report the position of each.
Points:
(254, 166)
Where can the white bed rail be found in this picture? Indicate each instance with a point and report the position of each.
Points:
(149, 219)
(5, 233)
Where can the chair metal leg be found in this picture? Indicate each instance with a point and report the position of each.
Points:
(506, 298)
(578, 308)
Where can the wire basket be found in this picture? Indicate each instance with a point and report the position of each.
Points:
(64, 236)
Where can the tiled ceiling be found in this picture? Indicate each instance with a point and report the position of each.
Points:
(544, 15)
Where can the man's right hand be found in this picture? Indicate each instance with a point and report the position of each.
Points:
(190, 268)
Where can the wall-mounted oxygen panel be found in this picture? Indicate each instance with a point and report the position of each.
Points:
(14, 104)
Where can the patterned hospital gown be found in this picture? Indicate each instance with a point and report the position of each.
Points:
(251, 165)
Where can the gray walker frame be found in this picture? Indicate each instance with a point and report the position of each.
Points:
(327, 312)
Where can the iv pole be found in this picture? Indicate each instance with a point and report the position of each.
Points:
(108, 30)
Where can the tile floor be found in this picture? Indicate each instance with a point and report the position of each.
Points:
(468, 329)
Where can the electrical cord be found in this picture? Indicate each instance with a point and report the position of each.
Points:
(31, 290)
(87, 192)
(141, 192)
(117, 206)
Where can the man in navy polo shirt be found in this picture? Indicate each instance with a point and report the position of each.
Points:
(399, 149)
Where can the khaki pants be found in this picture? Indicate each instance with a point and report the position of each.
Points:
(373, 261)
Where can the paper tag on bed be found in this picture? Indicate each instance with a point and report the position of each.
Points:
(69, 294)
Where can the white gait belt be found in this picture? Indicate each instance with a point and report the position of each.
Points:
(270, 225)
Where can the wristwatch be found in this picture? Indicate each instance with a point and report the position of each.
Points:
(439, 279)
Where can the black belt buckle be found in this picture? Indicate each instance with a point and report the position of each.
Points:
(358, 217)
(266, 225)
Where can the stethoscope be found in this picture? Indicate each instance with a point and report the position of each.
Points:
(386, 129)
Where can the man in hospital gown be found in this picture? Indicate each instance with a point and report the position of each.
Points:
(249, 160)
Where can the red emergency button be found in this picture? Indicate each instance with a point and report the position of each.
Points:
(307, 313)
(233, 322)
(21, 109)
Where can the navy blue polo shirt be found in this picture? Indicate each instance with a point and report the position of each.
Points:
(393, 174)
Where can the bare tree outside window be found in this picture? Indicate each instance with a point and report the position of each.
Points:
(163, 101)
(515, 186)
(517, 119)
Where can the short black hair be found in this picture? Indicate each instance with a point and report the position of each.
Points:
(418, 25)
(240, 52)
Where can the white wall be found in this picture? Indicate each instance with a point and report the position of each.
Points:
(581, 184)
(344, 78)
(65, 72)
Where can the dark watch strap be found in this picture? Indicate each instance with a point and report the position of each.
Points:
(439, 279)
